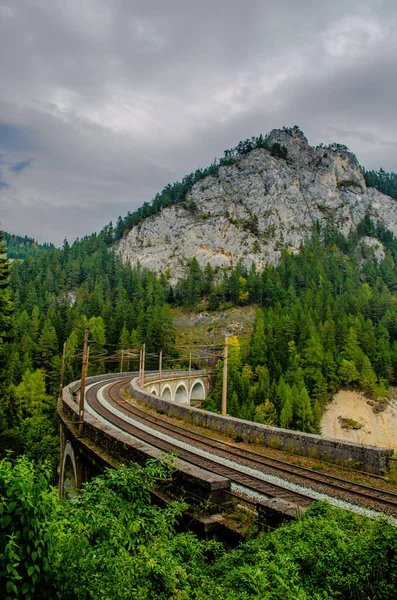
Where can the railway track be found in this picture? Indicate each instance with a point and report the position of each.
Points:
(249, 482)
(347, 490)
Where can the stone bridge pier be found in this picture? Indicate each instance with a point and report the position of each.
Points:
(76, 465)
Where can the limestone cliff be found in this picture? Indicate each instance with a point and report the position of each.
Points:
(258, 206)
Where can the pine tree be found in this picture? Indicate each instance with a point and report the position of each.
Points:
(352, 351)
(47, 346)
(313, 356)
(258, 347)
(53, 375)
(160, 333)
(31, 395)
(367, 379)
(266, 413)
(304, 413)
(261, 388)
(286, 414)
(6, 309)
(124, 339)
(36, 322)
(5, 301)
(96, 328)
(233, 407)
(348, 372)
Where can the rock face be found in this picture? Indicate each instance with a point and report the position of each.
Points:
(258, 206)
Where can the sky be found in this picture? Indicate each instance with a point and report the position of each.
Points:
(104, 102)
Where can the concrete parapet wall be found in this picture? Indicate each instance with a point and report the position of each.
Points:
(198, 484)
(171, 375)
(367, 458)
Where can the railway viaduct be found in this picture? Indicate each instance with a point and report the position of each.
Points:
(116, 431)
(84, 456)
(187, 388)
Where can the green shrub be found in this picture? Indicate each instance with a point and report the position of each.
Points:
(40, 442)
(27, 508)
(110, 542)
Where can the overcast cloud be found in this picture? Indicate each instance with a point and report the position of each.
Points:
(103, 102)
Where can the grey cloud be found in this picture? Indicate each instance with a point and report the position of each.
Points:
(104, 102)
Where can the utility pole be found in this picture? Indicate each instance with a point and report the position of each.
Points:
(224, 383)
(140, 366)
(122, 361)
(84, 368)
(143, 363)
(190, 363)
(62, 369)
(160, 362)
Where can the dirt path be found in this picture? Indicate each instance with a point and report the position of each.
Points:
(377, 429)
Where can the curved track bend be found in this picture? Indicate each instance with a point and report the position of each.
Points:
(254, 473)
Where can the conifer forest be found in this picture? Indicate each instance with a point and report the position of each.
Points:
(326, 318)
(198, 335)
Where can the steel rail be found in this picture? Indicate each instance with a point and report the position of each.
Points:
(250, 482)
(306, 473)
(112, 393)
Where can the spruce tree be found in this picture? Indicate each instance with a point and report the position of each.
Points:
(258, 347)
(47, 346)
(124, 339)
(31, 395)
(5, 301)
(6, 309)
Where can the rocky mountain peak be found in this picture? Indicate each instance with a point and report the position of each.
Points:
(268, 199)
(293, 139)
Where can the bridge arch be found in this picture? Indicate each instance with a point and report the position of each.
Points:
(181, 393)
(197, 391)
(154, 390)
(69, 473)
(166, 392)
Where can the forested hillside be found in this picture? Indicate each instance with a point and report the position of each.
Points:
(326, 317)
(19, 247)
(326, 313)
(57, 294)
(383, 181)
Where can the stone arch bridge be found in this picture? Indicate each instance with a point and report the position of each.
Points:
(110, 433)
(187, 387)
(80, 459)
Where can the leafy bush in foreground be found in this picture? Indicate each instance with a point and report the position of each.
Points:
(112, 542)
(28, 507)
(327, 554)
